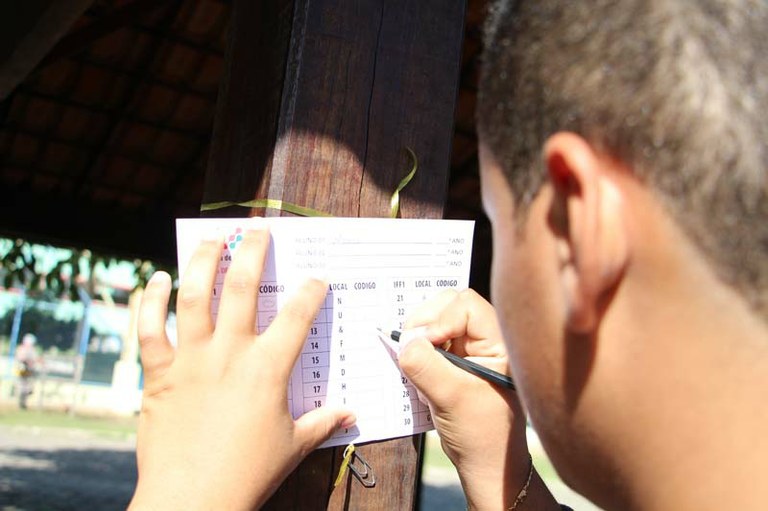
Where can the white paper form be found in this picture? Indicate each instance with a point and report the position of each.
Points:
(377, 271)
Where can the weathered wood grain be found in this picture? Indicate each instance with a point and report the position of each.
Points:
(249, 102)
(319, 101)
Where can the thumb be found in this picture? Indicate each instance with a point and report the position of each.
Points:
(315, 427)
(434, 377)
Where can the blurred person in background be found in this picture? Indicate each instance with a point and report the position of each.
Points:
(27, 362)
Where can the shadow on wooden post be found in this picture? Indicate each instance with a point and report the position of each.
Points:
(319, 100)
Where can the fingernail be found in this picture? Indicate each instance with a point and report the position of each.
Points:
(319, 274)
(348, 422)
(212, 236)
(405, 348)
(159, 278)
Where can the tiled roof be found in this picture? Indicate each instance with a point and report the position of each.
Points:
(113, 125)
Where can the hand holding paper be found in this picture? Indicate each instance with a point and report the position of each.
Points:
(376, 271)
(215, 431)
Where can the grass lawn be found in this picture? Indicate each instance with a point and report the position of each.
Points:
(111, 427)
(434, 457)
(435, 460)
(437, 464)
(125, 427)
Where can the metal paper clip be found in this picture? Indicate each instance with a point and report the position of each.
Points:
(363, 473)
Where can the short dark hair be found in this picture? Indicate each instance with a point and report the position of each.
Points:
(678, 90)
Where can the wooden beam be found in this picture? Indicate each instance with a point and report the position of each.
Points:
(245, 126)
(319, 101)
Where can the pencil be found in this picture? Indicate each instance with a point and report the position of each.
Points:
(489, 375)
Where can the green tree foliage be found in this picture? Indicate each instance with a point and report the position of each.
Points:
(52, 332)
(59, 273)
(49, 275)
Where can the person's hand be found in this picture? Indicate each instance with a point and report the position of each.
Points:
(481, 426)
(215, 431)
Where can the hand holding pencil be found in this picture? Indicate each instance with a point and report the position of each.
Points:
(489, 375)
(481, 424)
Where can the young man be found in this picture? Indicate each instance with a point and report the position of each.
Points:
(623, 160)
(624, 157)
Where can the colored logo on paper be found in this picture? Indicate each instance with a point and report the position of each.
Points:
(233, 240)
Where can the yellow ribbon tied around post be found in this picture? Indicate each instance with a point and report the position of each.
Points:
(280, 205)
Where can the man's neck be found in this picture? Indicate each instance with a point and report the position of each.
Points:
(694, 380)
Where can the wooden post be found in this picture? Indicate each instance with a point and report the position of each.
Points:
(319, 100)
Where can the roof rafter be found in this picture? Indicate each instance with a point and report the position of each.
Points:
(80, 39)
(137, 84)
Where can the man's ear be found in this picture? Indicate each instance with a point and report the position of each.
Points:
(587, 218)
